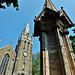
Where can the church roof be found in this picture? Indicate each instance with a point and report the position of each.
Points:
(63, 13)
(7, 48)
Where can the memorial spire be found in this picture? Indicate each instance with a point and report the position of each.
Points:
(50, 5)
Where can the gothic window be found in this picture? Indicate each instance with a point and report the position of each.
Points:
(4, 64)
(28, 47)
(24, 44)
(27, 35)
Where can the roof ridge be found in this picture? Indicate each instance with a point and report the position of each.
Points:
(6, 46)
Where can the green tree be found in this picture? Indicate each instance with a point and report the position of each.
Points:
(36, 64)
(72, 38)
(8, 3)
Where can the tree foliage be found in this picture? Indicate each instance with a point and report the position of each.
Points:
(72, 38)
(36, 64)
(8, 3)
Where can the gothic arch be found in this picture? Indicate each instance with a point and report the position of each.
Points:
(4, 63)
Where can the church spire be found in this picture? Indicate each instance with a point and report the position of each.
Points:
(49, 5)
(27, 28)
(26, 34)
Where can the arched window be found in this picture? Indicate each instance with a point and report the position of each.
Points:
(4, 64)
(28, 47)
(24, 44)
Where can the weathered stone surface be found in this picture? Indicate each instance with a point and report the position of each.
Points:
(51, 41)
(54, 58)
(46, 63)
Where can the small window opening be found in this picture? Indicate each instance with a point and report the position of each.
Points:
(24, 44)
(28, 47)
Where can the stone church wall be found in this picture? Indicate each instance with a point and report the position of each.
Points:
(7, 58)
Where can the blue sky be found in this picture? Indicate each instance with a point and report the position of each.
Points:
(13, 22)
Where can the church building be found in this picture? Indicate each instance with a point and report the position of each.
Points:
(18, 62)
(56, 53)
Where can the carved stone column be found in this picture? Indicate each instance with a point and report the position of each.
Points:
(70, 54)
(45, 55)
(64, 54)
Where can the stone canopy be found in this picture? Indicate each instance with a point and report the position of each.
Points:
(51, 15)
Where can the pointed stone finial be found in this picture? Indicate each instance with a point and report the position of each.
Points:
(50, 5)
(27, 27)
(19, 37)
(45, 3)
(61, 8)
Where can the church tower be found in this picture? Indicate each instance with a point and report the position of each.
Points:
(56, 53)
(23, 61)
